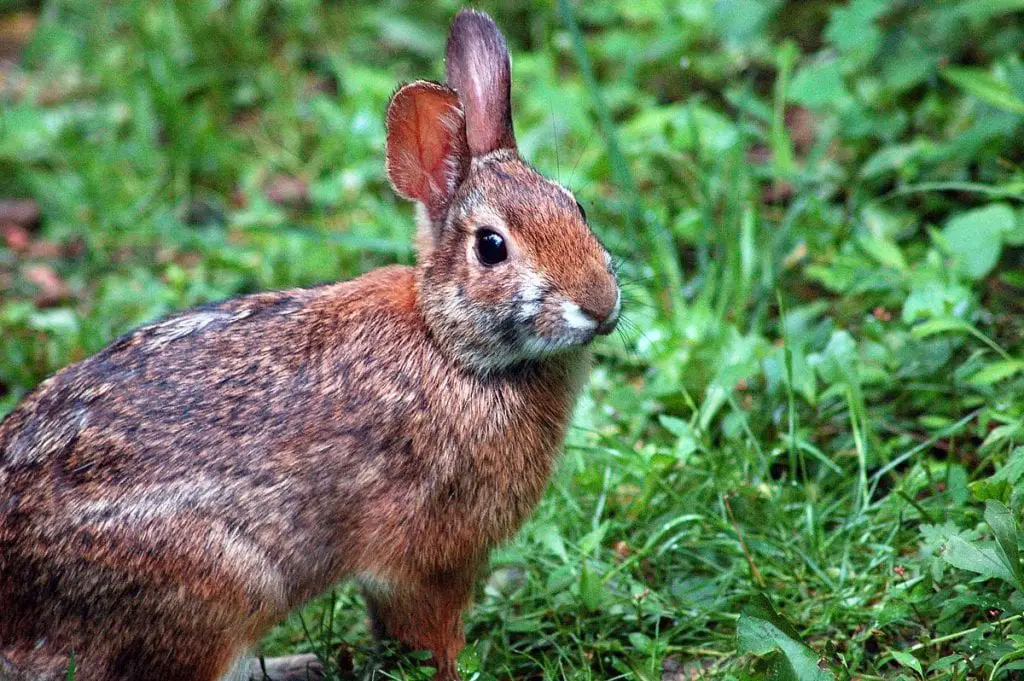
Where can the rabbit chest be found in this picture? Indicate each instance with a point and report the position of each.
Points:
(452, 461)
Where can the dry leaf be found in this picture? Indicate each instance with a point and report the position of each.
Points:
(15, 237)
(287, 190)
(52, 289)
(21, 212)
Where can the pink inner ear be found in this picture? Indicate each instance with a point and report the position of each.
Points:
(427, 154)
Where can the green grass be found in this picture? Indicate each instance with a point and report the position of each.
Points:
(796, 458)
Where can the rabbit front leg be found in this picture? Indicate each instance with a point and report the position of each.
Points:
(426, 615)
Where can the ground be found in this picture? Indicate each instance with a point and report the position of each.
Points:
(802, 456)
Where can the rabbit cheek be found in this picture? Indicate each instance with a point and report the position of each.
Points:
(500, 319)
(559, 326)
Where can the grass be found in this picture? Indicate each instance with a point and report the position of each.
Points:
(803, 455)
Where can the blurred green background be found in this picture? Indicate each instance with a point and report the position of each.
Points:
(802, 457)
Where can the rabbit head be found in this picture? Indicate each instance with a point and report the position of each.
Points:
(509, 271)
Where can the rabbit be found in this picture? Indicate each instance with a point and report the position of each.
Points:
(166, 501)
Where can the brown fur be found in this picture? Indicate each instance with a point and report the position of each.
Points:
(166, 501)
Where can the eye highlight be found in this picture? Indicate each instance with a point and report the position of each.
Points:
(490, 247)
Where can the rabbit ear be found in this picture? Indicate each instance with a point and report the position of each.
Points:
(427, 155)
(477, 65)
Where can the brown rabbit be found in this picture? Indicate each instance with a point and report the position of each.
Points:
(166, 501)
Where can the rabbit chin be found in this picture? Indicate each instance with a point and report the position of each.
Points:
(535, 347)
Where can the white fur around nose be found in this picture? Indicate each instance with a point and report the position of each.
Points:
(576, 318)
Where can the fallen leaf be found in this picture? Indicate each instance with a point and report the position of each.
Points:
(759, 154)
(778, 191)
(52, 288)
(15, 236)
(43, 249)
(674, 669)
(286, 190)
(21, 212)
(802, 128)
(16, 30)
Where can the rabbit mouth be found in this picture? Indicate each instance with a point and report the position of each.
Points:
(572, 328)
(539, 346)
(567, 325)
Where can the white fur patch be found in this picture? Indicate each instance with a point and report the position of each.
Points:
(241, 669)
(56, 434)
(155, 506)
(536, 346)
(179, 327)
(376, 583)
(530, 294)
(576, 318)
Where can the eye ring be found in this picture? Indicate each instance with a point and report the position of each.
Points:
(490, 247)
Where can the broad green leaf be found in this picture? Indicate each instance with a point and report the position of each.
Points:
(1008, 431)
(549, 536)
(469, 660)
(675, 425)
(819, 85)
(941, 325)
(910, 62)
(983, 9)
(640, 641)
(985, 87)
(715, 396)
(884, 251)
(853, 30)
(740, 21)
(761, 631)
(686, 439)
(804, 380)
(893, 158)
(838, 363)
(1015, 237)
(1012, 656)
(930, 298)
(975, 238)
(998, 485)
(1004, 528)
(591, 540)
(908, 660)
(997, 371)
(972, 556)
(1013, 470)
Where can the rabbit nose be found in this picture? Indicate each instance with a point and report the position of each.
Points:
(603, 306)
(607, 325)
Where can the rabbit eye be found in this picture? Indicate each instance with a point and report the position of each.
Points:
(490, 247)
(582, 212)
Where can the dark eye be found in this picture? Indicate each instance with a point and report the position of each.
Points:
(582, 212)
(490, 247)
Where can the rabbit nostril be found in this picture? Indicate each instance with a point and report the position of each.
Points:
(599, 303)
(606, 319)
